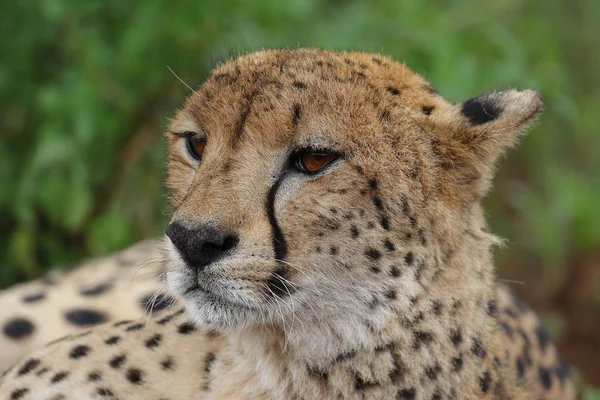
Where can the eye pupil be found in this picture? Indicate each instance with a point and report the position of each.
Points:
(196, 147)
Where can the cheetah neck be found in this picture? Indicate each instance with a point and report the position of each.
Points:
(422, 351)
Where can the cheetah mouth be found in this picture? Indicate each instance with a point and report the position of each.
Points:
(196, 290)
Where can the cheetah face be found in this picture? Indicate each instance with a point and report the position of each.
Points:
(302, 186)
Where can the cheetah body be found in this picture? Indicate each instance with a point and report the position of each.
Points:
(370, 278)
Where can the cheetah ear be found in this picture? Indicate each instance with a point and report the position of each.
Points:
(487, 125)
(494, 121)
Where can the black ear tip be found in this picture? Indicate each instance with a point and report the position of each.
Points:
(518, 106)
(483, 108)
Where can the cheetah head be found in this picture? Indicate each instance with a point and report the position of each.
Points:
(307, 185)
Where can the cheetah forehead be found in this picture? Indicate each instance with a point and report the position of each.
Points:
(367, 84)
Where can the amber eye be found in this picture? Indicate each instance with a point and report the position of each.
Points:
(196, 147)
(313, 162)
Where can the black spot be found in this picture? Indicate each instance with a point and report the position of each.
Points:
(18, 328)
(152, 303)
(354, 232)
(421, 337)
(112, 340)
(79, 351)
(393, 90)
(42, 371)
(208, 362)
(167, 364)
(385, 223)
(407, 394)
(134, 327)
(395, 271)
(96, 290)
(481, 109)
(29, 366)
(477, 348)
(378, 203)
(299, 85)
(427, 109)
(457, 363)
(545, 378)
(104, 392)
(34, 298)
(492, 307)
(153, 341)
(389, 245)
(485, 381)
(456, 337)
(360, 384)
(391, 294)
(507, 329)
(542, 337)
(384, 115)
(333, 250)
(436, 307)
(409, 258)
(347, 355)
(373, 254)
(117, 361)
(82, 317)
(432, 372)
(123, 322)
(164, 320)
(186, 328)
(18, 393)
(135, 376)
(511, 313)
(94, 376)
(398, 370)
(59, 377)
(296, 114)
(373, 184)
(422, 238)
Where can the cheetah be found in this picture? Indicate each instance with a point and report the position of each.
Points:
(326, 241)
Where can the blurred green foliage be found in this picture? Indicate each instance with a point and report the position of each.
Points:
(86, 90)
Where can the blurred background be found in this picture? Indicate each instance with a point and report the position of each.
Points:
(85, 91)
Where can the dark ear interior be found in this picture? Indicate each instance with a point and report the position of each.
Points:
(494, 121)
(485, 126)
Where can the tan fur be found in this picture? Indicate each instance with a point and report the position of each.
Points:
(384, 286)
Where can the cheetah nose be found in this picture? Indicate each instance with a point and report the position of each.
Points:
(201, 245)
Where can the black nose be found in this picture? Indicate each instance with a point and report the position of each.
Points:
(201, 245)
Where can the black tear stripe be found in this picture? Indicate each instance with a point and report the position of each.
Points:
(276, 283)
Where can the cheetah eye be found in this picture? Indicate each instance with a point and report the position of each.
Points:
(196, 147)
(311, 162)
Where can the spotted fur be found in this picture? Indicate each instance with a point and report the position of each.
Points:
(121, 286)
(371, 279)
